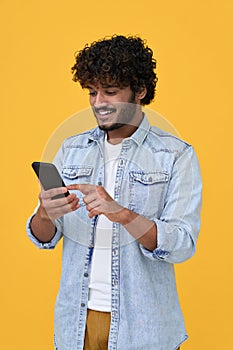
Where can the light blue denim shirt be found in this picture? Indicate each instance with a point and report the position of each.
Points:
(157, 176)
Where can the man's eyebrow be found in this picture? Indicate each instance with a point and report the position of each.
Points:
(107, 86)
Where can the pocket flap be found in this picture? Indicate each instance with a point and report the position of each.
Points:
(74, 172)
(149, 178)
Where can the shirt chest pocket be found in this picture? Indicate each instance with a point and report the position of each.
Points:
(77, 174)
(147, 191)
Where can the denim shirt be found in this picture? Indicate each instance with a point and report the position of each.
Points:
(158, 177)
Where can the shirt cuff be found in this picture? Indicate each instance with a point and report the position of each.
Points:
(164, 241)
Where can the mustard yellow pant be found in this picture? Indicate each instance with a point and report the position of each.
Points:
(97, 330)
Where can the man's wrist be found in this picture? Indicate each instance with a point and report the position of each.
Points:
(43, 215)
(126, 216)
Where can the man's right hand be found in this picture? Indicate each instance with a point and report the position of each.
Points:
(42, 224)
(55, 208)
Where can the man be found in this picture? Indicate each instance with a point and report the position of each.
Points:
(133, 211)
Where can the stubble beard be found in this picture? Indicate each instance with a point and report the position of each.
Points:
(125, 115)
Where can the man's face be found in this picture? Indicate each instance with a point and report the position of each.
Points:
(113, 107)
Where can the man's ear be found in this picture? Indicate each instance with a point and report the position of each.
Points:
(141, 94)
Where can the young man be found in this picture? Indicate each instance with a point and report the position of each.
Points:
(132, 213)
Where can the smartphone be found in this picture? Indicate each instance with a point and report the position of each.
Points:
(49, 177)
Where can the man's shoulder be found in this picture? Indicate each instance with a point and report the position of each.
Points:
(164, 141)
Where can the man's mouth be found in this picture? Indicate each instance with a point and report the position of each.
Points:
(103, 112)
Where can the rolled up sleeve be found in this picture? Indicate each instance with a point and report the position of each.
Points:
(179, 223)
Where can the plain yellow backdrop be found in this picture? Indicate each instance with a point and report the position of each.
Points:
(192, 41)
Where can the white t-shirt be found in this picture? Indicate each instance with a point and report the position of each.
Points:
(100, 279)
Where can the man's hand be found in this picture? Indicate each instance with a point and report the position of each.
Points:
(42, 224)
(98, 201)
(55, 208)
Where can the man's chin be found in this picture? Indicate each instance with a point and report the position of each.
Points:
(110, 126)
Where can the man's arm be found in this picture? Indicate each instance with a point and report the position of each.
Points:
(42, 226)
(98, 202)
(142, 229)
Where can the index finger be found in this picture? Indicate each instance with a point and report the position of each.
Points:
(84, 188)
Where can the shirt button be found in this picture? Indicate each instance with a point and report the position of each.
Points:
(99, 183)
(115, 281)
(82, 305)
(85, 274)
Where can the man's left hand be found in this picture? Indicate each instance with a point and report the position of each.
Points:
(98, 201)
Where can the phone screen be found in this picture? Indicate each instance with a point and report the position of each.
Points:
(49, 177)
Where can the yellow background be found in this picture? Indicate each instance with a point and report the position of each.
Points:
(192, 41)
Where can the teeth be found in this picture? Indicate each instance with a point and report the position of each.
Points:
(104, 112)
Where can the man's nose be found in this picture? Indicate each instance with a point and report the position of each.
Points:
(99, 100)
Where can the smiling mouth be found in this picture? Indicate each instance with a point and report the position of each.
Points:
(103, 112)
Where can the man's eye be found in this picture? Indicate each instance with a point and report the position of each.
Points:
(110, 92)
(92, 93)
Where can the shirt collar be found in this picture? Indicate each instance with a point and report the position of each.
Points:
(138, 136)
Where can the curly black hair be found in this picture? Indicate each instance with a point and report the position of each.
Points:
(123, 61)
